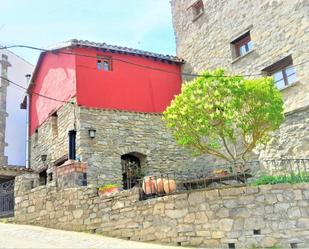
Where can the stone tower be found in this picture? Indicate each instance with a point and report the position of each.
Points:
(253, 38)
(3, 114)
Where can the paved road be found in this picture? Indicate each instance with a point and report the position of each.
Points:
(22, 236)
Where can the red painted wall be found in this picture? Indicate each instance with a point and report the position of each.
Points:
(126, 87)
(56, 78)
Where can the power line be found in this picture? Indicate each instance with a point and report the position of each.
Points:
(137, 64)
(35, 93)
(124, 61)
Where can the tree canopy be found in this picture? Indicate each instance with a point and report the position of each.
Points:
(225, 116)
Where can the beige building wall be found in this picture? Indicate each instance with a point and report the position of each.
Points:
(278, 29)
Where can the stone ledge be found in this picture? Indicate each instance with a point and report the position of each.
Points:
(123, 111)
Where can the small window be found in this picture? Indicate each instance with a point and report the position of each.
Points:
(54, 124)
(242, 45)
(293, 245)
(197, 9)
(43, 178)
(231, 245)
(283, 72)
(36, 136)
(99, 64)
(104, 64)
(50, 177)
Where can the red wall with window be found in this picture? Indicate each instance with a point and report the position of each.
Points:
(126, 86)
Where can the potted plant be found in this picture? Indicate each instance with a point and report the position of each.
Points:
(108, 189)
(220, 172)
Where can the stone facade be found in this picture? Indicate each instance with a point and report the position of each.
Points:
(3, 114)
(117, 133)
(291, 140)
(51, 138)
(277, 29)
(244, 216)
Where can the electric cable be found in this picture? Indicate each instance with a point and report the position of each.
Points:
(137, 64)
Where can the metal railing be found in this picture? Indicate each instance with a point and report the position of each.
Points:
(7, 199)
(217, 176)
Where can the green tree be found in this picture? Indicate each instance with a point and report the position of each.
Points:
(225, 116)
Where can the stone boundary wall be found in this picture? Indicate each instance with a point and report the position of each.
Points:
(279, 214)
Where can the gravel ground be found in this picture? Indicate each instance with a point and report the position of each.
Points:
(24, 236)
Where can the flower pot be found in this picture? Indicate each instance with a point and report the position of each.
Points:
(222, 174)
(108, 191)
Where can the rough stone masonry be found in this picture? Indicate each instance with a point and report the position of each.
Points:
(243, 217)
(117, 133)
(278, 29)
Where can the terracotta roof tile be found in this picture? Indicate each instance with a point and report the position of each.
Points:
(119, 49)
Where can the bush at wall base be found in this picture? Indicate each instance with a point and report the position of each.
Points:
(107, 189)
(291, 178)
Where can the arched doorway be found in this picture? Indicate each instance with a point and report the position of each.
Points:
(131, 169)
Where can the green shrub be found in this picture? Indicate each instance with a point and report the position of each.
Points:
(292, 178)
(108, 186)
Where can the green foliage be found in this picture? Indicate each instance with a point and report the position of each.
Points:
(292, 178)
(255, 246)
(225, 116)
(108, 186)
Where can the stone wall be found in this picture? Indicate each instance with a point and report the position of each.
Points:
(278, 28)
(51, 138)
(117, 133)
(246, 216)
(291, 140)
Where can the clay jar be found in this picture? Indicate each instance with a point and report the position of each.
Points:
(169, 186)
(153, 185)
(149, 185)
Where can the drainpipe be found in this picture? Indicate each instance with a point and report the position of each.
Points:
(28, 76)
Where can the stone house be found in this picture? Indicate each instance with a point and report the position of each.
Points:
(102, 105)
(254, 38)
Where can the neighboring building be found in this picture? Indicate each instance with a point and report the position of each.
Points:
(110, 103)
(13, 127)
(268, 37)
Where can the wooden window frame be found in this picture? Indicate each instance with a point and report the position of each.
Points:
(195, 7)
(102, 60)
(243, 40)
(285, 76)
(281, 66)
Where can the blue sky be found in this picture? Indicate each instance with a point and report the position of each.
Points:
(142, 24)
